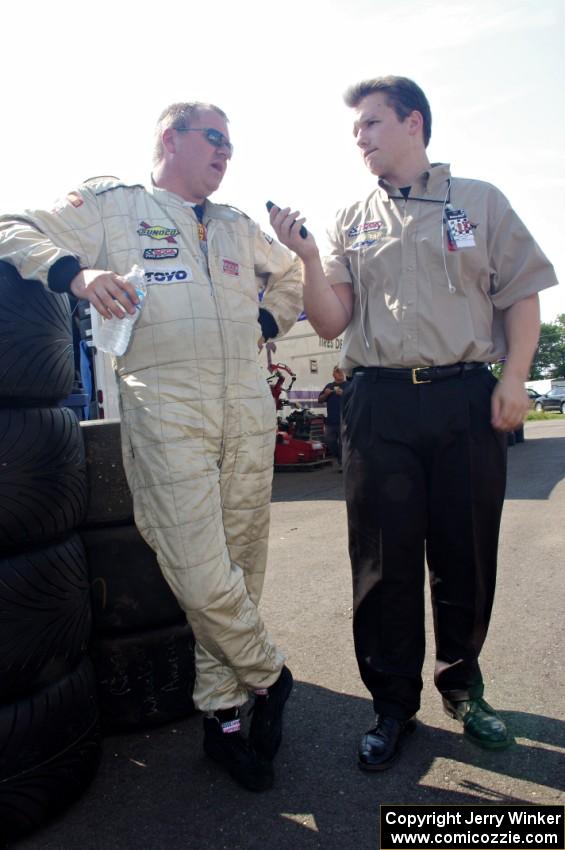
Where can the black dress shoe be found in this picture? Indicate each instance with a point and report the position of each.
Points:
(481, 724)
(265, 733)
(381, 745)
(234, 753)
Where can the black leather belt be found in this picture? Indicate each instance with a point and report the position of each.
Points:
(421, 374)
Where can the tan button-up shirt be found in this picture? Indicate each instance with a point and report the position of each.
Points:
(417, 303)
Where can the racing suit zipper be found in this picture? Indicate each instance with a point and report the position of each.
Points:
(204, 260)
(210, 227)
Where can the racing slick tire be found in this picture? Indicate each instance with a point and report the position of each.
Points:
(109, 497)
(43, 492)
(144, 679)
(50, 748)
(128, 591)
(36, 341)
(45, 616)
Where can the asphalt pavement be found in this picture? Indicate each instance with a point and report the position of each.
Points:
(156, 790)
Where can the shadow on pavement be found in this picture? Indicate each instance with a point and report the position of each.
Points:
(325, 484)
(532, 468)
(533, 473)
(156, 790)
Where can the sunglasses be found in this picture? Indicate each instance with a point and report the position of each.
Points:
(213, 137)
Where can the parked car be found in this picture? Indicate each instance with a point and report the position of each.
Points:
(532, 395)
(552, 400)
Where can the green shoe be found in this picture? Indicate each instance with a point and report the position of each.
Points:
(481, 724)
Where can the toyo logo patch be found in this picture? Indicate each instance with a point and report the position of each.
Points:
(168, 276)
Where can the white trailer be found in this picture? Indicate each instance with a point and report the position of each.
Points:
(311, 358)
(105, 396)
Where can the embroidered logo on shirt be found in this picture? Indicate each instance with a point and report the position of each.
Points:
(168, 275)
(75, 199)
(365, 227)
(366, 240)
(160, 253)
(157, 232)
(230, 267)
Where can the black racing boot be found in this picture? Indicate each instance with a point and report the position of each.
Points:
(224, 744)
(265, 733)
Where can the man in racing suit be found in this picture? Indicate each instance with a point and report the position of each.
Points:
(198, 420)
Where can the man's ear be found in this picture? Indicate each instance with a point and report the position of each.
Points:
(415, 122)
(168, 140)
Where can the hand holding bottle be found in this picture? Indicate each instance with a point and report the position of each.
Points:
(109, 293)
(113, 334)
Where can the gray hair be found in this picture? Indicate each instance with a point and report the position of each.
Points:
(178, 116)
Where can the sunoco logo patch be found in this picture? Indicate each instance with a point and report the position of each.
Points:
(157, 232)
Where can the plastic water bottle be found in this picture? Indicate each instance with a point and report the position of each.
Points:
(113, 335)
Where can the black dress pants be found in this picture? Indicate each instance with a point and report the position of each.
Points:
(425, 475)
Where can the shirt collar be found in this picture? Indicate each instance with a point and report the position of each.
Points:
(430, 182)
(169, 198)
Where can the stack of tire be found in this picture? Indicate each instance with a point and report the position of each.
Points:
(142, 647)
(49, 732)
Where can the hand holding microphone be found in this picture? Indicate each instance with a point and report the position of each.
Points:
(302, 232)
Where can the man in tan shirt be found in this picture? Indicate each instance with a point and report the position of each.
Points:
(432, 278)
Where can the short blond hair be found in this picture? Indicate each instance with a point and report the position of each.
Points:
(179, 116)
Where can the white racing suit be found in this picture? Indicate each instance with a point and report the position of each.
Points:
(198, 419)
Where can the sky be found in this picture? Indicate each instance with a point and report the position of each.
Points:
(83, 85)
